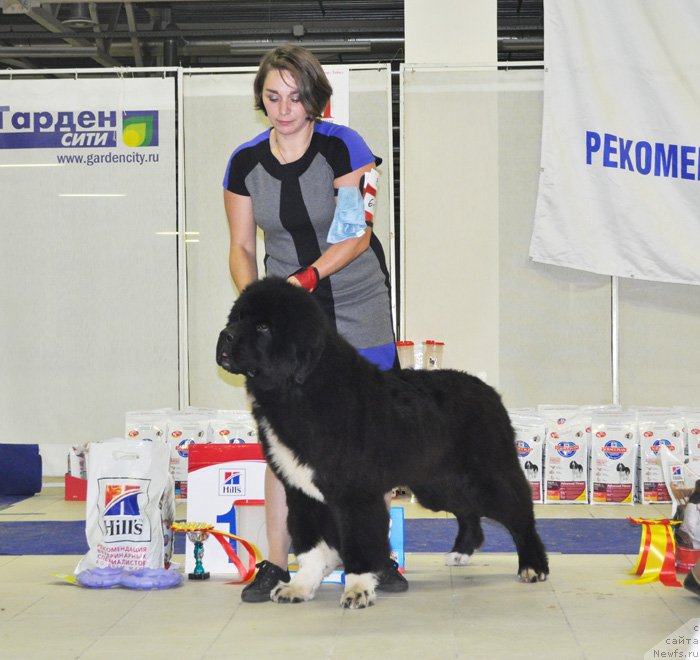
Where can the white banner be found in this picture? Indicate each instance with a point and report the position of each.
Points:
(88, 258)
(619, 190)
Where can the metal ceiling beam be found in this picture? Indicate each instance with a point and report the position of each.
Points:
(48, 21)
(133, 28)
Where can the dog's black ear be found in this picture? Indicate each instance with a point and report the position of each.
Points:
(306, 362)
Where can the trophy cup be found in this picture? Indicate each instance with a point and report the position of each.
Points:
(197, 533)
(198, 536)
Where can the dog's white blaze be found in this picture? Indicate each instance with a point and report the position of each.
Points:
(296, 473)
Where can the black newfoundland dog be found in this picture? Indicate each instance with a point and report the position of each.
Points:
(339, 433)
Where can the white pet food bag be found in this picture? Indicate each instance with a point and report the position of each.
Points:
(185, 428)
(691, 421)
(657, 429)
(147, 424)
(681, 477)
(613, 458)
(529, 442)
(232, 427)
(557, 415)
(130, 503)
(566, 462)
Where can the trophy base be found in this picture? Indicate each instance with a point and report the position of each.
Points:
(198, 576)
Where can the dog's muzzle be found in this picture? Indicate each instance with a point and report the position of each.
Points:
(224, 351)
(225, 354)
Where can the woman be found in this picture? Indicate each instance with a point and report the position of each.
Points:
(300, 181)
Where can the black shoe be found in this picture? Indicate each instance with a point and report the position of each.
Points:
(391, 580)
(691, 583)
(269, 575)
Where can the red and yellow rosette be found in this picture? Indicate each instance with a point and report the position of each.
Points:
(657, 552)
(254, 555)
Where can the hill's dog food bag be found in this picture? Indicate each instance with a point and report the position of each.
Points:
(185, 428)
(130, 505)
(233, 427)
(682, 477)
(147, 424)
(691, 421)
(566, 462)
(529, 442)
(657, 429)
(557, 415)
(613, 458)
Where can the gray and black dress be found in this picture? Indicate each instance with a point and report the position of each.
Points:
(294, 205)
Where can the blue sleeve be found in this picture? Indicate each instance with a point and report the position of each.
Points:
(357, 152)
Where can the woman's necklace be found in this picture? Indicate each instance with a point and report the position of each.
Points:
(286, 161)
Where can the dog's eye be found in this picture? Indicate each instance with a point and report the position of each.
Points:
(262, 328)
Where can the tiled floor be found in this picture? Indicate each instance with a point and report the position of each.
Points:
(478, 611)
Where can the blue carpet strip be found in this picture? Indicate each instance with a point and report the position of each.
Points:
(566, 536)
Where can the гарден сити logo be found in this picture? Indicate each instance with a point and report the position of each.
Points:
(73, 129)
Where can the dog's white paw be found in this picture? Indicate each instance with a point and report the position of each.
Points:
(457, 559)
(359, 591)
(291, 593)
(530, 576)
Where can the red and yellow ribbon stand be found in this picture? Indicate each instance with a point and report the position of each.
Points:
(247, 572)
(657, 552)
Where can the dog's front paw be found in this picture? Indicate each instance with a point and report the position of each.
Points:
(359, 591)
(530, 576)
(457, 559)
(291, 593)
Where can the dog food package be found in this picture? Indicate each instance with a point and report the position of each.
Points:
(613, 458)
(130, 505)
(147, 424)
(566, 462)
(529, 442)
(657, 429)
(682, 478)
(557, 415)
(77, 462)
(691, 422)
(233, 427)
(185, 427)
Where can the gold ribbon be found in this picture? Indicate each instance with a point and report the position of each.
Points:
(657, 552)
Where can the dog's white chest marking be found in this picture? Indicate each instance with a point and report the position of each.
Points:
(296, 473)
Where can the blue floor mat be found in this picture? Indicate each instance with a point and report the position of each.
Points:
(566, 536)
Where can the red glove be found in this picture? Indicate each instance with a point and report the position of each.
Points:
(308, 278)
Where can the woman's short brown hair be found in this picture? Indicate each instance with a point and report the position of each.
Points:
(314, 89)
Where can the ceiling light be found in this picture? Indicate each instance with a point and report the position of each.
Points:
(79, 16)
(92, 195)
(260, 47)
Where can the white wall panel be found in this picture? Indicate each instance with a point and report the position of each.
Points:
(469, 181)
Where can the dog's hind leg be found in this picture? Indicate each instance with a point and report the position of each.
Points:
(454, 495)
(516, 515)
(469, 537)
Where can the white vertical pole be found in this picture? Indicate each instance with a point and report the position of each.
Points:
(615, 339)
(183, 357)
(402, 210)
